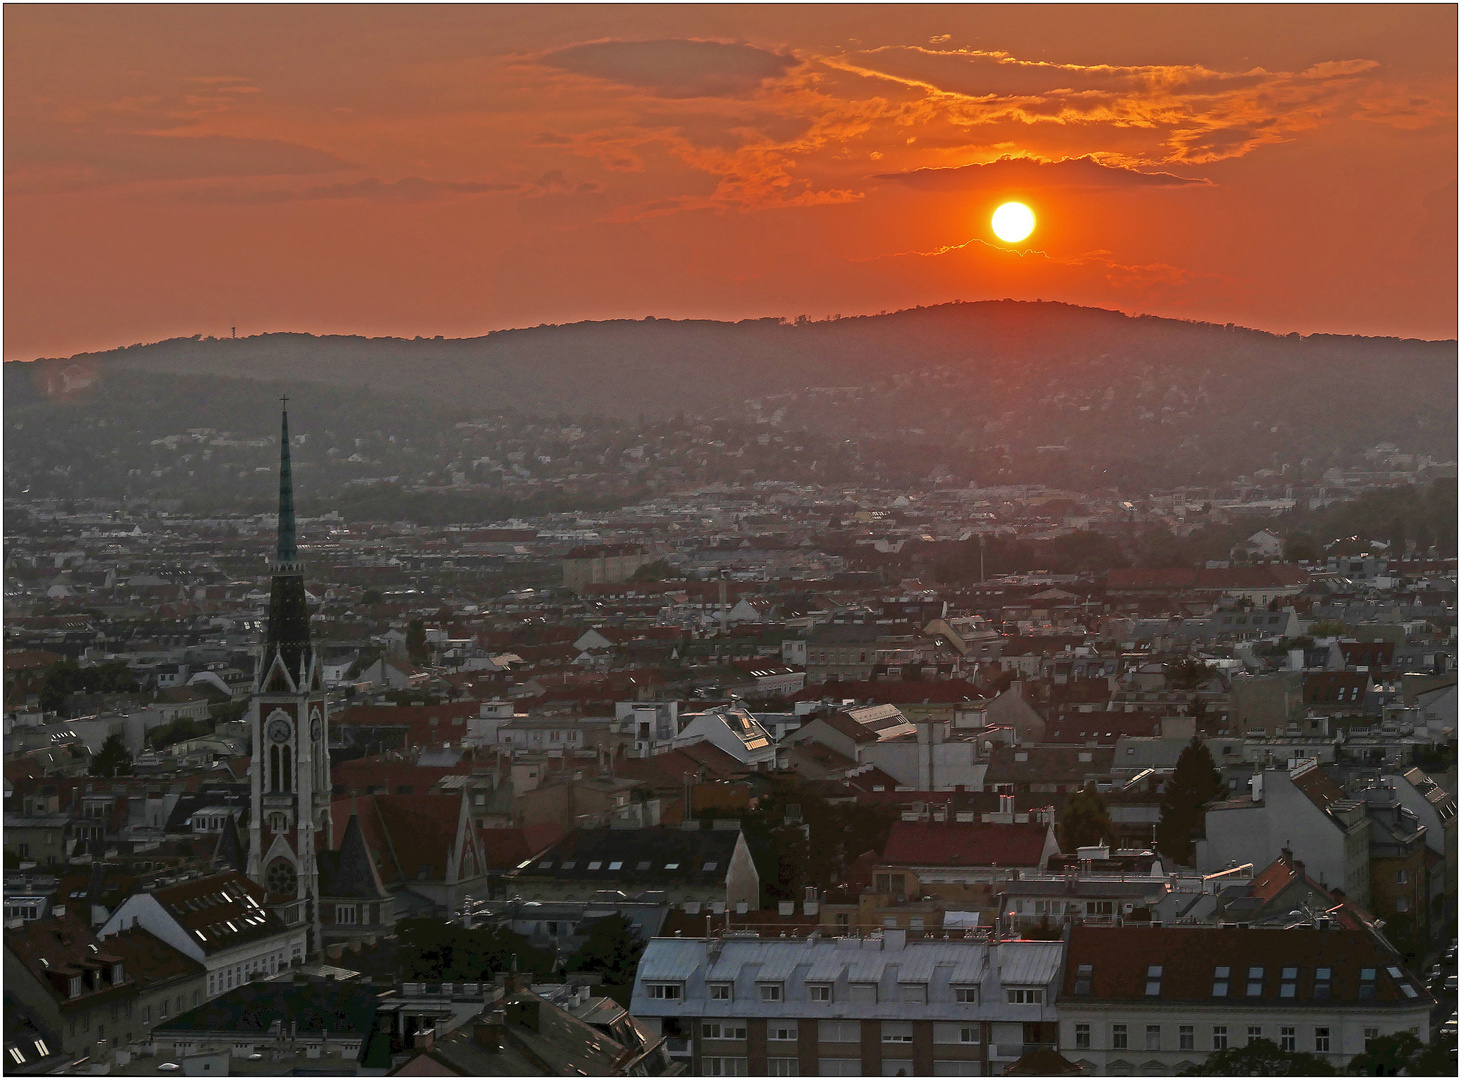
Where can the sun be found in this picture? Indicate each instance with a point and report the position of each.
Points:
(1012, 222)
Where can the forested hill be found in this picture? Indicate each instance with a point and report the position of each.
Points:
(1101, 387)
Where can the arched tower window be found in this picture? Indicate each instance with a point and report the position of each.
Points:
(274, 772)
(287, 769)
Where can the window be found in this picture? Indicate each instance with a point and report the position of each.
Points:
(897, 1031)
(597, 865)
(1220, 1037)
(147, 1014)
(723, 1066)
(781, 1031)
(1220, 981)
(1083, 979)
(1289, 986)
(862, 993)
(839, 1066)
(956, 1068)
(1184, 1037)
(1401, 877)
(1118, 1036)
(664, 991)
(720, 991)
(770, 991)
(1083, 1036)
(836, 1031)
(1255, 1032)
(1367, 982)
(966, 995)
(723, 1029)
(819, 991)
(1370, 1035)
(345, 913)
(1154, 980)
(956, 1033)
(1154, 1036)
(1321, 982)
(781, 1067)
(1024, 995)
(616, 865)
(1321, 1040)
(1255, 982)
(1286, 1040)
(1402, 903)
(913, 993)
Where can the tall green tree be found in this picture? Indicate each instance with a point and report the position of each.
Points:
(112, 759)
(416, 641)
(1195, 781)
(1084, 820)
(1261, 1058)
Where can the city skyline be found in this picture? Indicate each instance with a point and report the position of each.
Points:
(395, 171)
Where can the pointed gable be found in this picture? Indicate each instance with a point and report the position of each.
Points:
(349, 872)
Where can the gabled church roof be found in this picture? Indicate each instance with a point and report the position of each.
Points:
(231, 852)
(350, 872)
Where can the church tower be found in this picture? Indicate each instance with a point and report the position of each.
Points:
(289, 720)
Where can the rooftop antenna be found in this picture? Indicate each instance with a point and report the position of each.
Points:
(233, 332)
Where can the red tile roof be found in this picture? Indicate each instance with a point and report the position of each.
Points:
(918, 843)
(503, 849)
(1121, 956)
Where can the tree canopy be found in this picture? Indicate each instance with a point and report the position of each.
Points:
(66, 677)
(1195, 781)
(433, 949)
(1402, 1054)
(112, 759)
(612, 948)
(1084, 821)
(1261, 1058)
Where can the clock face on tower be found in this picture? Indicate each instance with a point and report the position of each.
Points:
(279, 729)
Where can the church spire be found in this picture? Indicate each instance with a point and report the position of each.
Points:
(288, 552)
(287, 632)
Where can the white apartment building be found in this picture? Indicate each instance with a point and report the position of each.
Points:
(741, 1005)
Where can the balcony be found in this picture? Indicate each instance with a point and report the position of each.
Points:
(677, 1047)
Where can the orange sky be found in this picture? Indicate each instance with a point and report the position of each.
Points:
(410, 170)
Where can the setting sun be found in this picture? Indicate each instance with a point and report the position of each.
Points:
(1013, 222)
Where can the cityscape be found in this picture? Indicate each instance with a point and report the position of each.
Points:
(647, 648)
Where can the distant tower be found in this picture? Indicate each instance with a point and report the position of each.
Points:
(289, 719)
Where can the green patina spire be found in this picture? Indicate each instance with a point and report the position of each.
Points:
(288, 551)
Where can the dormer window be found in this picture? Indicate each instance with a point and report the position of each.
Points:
(1255, 982)
(770, 991)
(74, 989)
(1322, 983)
(1083, 974)
(1220, 976)
(1367, 983)
(1154, 980)
(1289, 985)
(117, 974)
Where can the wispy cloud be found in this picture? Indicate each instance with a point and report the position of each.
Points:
(676, 67)
(410, 189)
(1082, 172)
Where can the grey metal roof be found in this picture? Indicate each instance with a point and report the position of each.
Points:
(1029, 963)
